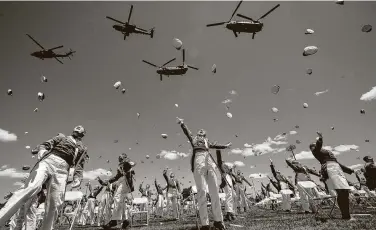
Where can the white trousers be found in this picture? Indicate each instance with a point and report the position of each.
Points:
(159, 210)
(172, 202)
(286, 199)
(89, 211)
(52, 170)
(229, 199)
(205, 170)
(104, 215)
(119, 201)
(242, 199)
(26, 217)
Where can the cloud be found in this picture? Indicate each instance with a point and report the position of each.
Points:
(280, 137)
(13, 173)
(357, 166)
(4, 166)
(18, 183)
(252, 166)
(5, 136)
(369, 96)
(322, 92)
(258, 175)
(91, 175)
(239, 164)
(172, 155)
(233, 92)
(261, 149)
(307, 155)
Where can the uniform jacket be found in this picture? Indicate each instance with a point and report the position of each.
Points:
(171, 183)
(74, 153)
(125, 169)
(301, 172)
(198, 144)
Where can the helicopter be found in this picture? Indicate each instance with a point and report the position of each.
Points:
(237, 27)
(172, 70)
(49, 53)
(125, 28)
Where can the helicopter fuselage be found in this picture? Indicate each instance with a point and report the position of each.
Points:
(128, 28)
(49, 54)
(173, 70)
(43, 54)
(245, 26)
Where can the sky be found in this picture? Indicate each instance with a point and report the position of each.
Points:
(81, 90)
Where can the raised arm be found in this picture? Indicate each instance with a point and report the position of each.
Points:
(246, 181)
(166, 177)
(312, 171)
(140, 188)
(115, 178)
(187, 132)
(319, 142)
(96, 192)
(346, 169)
(51, 143)
(215, 145)
(273, 171)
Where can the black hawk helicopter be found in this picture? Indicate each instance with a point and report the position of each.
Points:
(125, 28)
(49, 53)
(237, 27)
(172, 70)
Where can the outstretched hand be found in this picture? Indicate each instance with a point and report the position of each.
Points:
(179, 120)
(319, 134)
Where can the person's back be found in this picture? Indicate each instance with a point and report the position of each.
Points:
(370, 174)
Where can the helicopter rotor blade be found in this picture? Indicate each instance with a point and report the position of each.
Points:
(36, 42)
(58, 47)
(58, 60)
(150, 64)
(263, 16)
(113, 19)
(169, 62)
(130, 13)
(192, 67)
(216, 24)
(245, 17)
(236, 9)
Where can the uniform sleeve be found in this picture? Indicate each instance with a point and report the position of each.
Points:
(178, 186)
(215, 145)
(51, 143)
(166, 178)
(346, 169)
(312, 171)
(273, 171)
(116, 177)
(140, 189)
(96, 193)
(187, 133)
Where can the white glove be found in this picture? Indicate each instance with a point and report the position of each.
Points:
(41, 153)
(76, 183)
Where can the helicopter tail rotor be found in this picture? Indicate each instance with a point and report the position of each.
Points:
(192, 67)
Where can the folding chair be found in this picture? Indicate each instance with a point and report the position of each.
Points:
(358, 196)
(319, 201)
(140, 218)
(76, 197)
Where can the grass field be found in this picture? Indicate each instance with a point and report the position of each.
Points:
(257, 219)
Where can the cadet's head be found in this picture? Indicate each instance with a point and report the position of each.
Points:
(239, 172)
(201, 133)
(122, 157)
(368, 159)
(147, 186)
(79, 132)
(172, 175)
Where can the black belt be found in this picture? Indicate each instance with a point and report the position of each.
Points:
(64, 156)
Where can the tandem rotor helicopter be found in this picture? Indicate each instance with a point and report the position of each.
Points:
(126, 29)
(237, 27)
(49, 53)
(172, 70)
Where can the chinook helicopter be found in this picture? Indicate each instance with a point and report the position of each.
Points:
(126, 29)
(172, 70)
(237, 27)
(49, 53)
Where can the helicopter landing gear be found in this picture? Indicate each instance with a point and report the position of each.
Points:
(253, 35)
(235, 33)
(160, 77)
